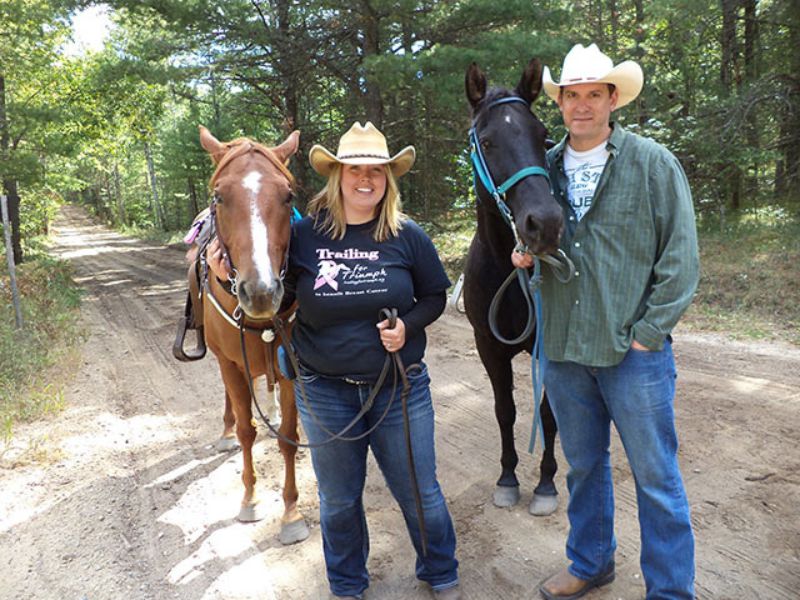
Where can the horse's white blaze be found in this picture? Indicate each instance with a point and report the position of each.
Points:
(258, 229)
(508, 119)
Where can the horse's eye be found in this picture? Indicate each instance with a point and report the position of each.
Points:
(217, 198)
(291, 197)
(486, 145)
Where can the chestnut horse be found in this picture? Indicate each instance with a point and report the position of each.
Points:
(511, 144)
(251, 212)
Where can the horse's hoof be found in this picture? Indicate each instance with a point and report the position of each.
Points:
(226, 444)
(293, 532)
(505, 496)
(251, 513)
(541, 506)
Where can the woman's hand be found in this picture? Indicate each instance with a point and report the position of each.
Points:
(216, 262)
(392, 339)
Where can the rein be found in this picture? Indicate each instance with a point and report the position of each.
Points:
(392, 359)
(561, 265)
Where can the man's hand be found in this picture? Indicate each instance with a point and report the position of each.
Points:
(637, 346)
(521, 261)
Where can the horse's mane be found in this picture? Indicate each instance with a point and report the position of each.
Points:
(242, 145)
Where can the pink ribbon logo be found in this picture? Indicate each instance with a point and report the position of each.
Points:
(328, 271)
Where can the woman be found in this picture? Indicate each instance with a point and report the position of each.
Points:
(355, 254)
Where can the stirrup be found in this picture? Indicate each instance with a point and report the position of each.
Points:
(185, 323)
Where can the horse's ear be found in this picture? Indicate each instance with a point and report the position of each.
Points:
(530, 84)
(288, 147)
(475, 83)
(212, 145)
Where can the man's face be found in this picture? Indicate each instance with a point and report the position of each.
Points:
(586, 108)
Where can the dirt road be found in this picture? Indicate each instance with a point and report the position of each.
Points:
(123, 496)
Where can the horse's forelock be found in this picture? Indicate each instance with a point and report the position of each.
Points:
(240, 146)
(495, 93)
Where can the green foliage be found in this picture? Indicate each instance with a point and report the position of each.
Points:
(50, 301)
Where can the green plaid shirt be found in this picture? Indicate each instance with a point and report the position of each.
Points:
(635, 255)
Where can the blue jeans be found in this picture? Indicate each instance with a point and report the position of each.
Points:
(341, 468)
(637, 395)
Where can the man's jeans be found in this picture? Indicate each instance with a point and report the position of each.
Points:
(341, 469)
(637, 395)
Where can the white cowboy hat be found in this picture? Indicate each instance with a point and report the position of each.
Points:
(589, 65)
(361, 145)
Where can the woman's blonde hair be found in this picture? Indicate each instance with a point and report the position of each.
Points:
(327, 208)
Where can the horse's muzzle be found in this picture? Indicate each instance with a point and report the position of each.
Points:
(542, 235)
(260, 299)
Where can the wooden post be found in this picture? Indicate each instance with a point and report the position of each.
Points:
(10, 258)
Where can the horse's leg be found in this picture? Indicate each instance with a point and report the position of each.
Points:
(227, 440)
(293, 525)
(498, 366)
(545, 496)
(239, 394)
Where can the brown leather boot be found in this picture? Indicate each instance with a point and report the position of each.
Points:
(565, 586)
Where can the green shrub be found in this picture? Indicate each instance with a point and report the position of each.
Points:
(50, 301)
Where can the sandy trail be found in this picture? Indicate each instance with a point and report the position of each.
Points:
(132, 501)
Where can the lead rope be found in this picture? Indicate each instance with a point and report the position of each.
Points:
(412, 469)
(391, 357)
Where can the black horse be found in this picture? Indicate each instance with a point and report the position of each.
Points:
(511, 138)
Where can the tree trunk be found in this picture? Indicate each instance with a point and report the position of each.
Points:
(728, 44)
(151, 172)
(751, 73)
(791, 141)
(9, 182)
(638, 36)
(292, 89)
(371, 47)
(614, 15)
(731, 173)
(118, 195)
(194, 207)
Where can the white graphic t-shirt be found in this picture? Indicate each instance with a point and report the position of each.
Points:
(583, 170)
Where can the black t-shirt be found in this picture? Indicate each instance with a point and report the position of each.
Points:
(341, 285)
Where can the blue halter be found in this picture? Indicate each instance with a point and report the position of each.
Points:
(481, 171)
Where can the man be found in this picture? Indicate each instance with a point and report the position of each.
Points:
(630, 231)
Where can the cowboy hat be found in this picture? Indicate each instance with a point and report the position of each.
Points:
(361, 145)
(589, 65)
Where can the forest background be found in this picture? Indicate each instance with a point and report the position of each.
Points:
(117, 129)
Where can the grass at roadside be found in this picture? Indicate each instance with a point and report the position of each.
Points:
(31, 359)
(750, 278)
(750, 272)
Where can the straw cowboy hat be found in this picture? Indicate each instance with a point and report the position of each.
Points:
(361, 145)
(589, 65)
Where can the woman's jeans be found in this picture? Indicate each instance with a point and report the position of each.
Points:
(637, 395)
(341, 469)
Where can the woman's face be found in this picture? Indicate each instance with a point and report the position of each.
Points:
(363, 187)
